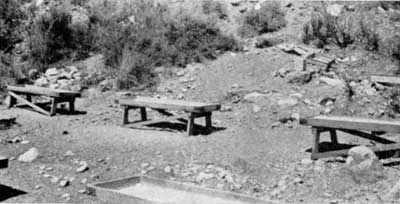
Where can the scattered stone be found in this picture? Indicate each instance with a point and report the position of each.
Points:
(25, 142)
(144, 165)
(63, 183)
(394, 192)
(263, 42)
(364, 165)
(287, 102)
(84, 167)
(253, 97)
(54, 179)
(37, 187)
(69, 153)
(236, 2)
(84, 180)
(306, 162)
(181, 96)
(82, 191)
(204, 176)
(49, 169)
(29, 156)
(334, 9)
(275, 124)
(256, 109)
(46, 175)
(332, 82)
(65, 132)
(168, 170)
(235, 86)
(299, 77)
(66, 196)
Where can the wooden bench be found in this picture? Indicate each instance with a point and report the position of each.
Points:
(369, 129)
(385, 79)
(193, 110)
(3, 162)
(56, 96)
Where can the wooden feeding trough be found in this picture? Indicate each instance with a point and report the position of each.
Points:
(318, 60)
(193, 110)
(24, 95)
(370, 129)
(148, 190)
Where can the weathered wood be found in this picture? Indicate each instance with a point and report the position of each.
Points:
(33, 90)
(333, 135)
(376, 149)
(353, 123)
(150, 122)
(3, 162)
(35, 107)
(315, 150)
(386, 79)
(125, 119)
(71, 103)
(368, 136)
(190, 125)
(155, 103)
(53, 107)
(29, 98)
(143, 113)
(208, 120)
(12, 101)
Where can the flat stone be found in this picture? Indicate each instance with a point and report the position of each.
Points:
(29, 156)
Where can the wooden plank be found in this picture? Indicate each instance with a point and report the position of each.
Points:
(382, 148)
(33, 90)
(35, 107)
(155, 103)
(149, 122)
(368, 136)
(3, 162)
(386, 79)
(353, 123)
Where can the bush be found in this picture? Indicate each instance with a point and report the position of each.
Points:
(210, 7)
(325, 28)
(368, 35)
(50, 38)
(268, 18)
(11, 18)
(395, 16)
(140, 39)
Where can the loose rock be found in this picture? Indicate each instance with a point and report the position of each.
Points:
(29, 156)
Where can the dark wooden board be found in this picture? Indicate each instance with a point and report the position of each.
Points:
(169, 104)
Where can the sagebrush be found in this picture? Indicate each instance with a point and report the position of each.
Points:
(268, 18)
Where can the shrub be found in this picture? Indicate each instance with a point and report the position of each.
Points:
(210, 7)
(145, 36)
(395, 16)
(268, 18)
(368, 35)
(325, 28)
(11, 18)
(50, 38)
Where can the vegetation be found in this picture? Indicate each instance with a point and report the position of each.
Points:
(211, 7)
(151, 38)
(268, 18)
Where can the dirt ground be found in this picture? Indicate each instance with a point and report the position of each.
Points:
(266, 161)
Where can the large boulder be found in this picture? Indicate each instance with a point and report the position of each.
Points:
(364, 165)
(79, 19)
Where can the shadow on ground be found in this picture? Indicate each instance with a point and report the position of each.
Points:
(7, 192)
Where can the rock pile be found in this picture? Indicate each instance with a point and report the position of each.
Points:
(66, 79)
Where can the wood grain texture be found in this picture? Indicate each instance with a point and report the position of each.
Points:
(34, 90)
(169, 104)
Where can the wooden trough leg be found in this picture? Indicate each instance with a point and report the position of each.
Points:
(12, 101)
(71, 105)
(190, 124)
(315, 149)
(29, 98)
(208, 120)
(143, 113)
(125, 119)
(53, 108)
(333, 134)
(17, 97)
